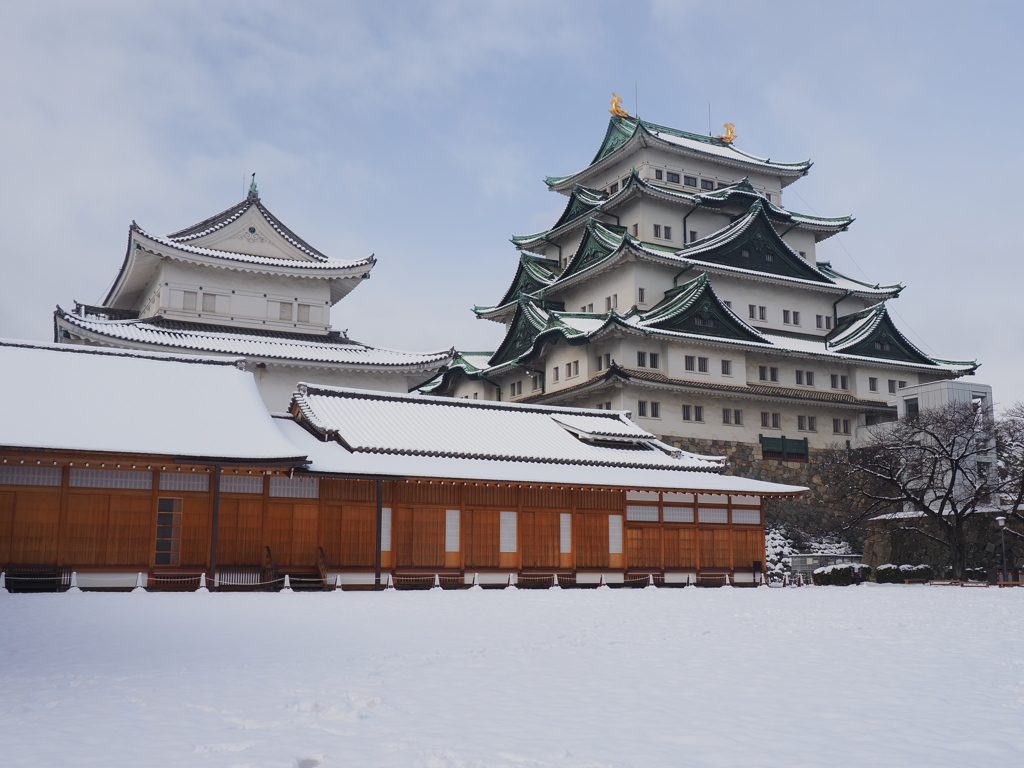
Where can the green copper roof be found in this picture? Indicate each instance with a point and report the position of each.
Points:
(533, 274)
(695, 308)
(872, 333)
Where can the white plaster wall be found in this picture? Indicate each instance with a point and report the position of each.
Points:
(242, 298)
(775, 298)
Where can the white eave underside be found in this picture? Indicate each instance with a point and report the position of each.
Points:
(250, 346)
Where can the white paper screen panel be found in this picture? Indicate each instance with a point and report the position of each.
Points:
(641, 513)
(711, 515)
(241, 484)
(295, 487)
(507, 538)
(678, 514)
(746, 516)
(565, 533)
(30, 475)
(385, 529)
(615, 534)
(181, 481)
(451, 530)
(108, 478)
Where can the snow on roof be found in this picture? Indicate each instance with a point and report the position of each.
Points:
(320, 265)
(329, 457)
(85, 399)
(725, 151)
(275, 346)
(376, 422)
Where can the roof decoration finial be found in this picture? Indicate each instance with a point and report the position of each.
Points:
(617, 106)
(253, 191)
(730, 134)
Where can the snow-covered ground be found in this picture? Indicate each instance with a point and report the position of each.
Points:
(828, 676)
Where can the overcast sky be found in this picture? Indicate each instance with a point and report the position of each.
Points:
(421, 132)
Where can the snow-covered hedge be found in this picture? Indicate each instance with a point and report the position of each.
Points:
(897, 574)
(842, 575)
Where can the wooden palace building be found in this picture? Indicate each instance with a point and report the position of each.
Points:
(139, 468)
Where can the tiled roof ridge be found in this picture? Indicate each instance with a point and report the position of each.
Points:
(352, 393)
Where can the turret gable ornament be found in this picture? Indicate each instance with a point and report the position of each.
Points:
(254, 193)
(617, 106)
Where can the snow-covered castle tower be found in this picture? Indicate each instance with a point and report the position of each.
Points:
(676, 285)
(242, 284)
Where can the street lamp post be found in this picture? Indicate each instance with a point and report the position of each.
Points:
(1002, 537)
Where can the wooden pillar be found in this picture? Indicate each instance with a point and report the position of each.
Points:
(380, 533)
(215, 518)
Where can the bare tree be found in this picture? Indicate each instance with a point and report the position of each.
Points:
(942, 466)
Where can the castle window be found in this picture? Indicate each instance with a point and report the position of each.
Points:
(554, 374)
(745, 253)
(707, 184)
(303, 313)
(702, 364)
(727, 415)
(673, 177)
(641, 359)
(882, 346)
(641, 408)
(658, 174)
(727, 367)
(698, 413)
(636, 230)
(901, 384)
(785, 316)
(575, 368)
(841, 426)
(690, 362)
(285, 313)
(640, 296)
(753, 311)
(189, 300)
(613, 188)
(807, 423)
(723, 184)
(762, 313)
(873, 384)
(769, 256)
(796, 317)
(536, 383)
(771, 420)
(655, 360)
(809, 376)
(708, 322)
(687, 413)
(768, 196)
(690, 181)
(209, 302)
(657, 230)
(655, 410)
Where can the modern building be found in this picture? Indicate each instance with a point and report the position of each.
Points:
(242, 284)
(180, 470)
(677, 286)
